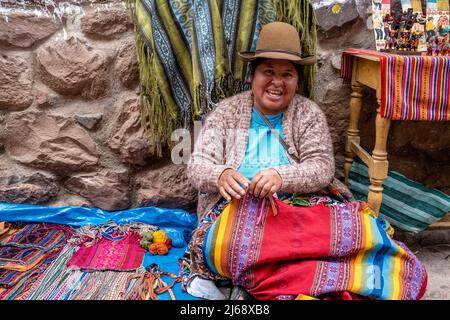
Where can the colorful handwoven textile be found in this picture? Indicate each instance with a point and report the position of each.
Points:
(3, 229)
(99, 285)
(406, 204)
(26, 254)
(124, 254)
(17, 284)
(412, 87)
(147, 285)
(62, 283)
(187, 53)
(51, 279)
(49, 284)
(23, 250)
(319, 251)
(7, 230)
(347, 60)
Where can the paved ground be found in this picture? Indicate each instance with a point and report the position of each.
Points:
(433, 250)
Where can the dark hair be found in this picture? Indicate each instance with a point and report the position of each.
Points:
(255, 63)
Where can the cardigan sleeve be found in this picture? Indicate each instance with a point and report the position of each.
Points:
(207, 161)
(315, 150)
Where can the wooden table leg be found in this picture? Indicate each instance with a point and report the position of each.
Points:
(352, 131)
(379, 169)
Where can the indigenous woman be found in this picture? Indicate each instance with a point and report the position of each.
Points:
(272, 218)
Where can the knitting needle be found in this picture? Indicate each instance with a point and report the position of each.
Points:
(273, 205)
(261, 211)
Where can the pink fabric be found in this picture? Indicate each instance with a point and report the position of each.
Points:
(120, 255)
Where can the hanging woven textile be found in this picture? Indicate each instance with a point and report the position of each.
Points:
(187, 53)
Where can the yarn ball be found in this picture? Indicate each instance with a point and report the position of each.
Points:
(144, 243)
(147, 236)
(159, 236)
(177, 239)
(158, 248)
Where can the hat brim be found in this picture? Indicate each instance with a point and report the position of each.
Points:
(250, 56)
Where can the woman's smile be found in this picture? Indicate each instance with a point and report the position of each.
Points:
(274, 85)
(274, 94)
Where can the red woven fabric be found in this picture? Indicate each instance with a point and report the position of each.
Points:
(120, 255)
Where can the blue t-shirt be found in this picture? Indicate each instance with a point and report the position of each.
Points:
(264, 150)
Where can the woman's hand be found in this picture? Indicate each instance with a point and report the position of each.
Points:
(230, 182)
(265, 182)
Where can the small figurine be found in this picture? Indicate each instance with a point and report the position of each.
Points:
(430, 28)
(398, 16)
(415, 38)
(447, 49)
(429, 48)
(397, 22)
(410, 19)
(421, 19)
(438, 48)
(377, 4)
(390, 41)
(402, 44)
(387, 21)
(443, 27)
(377, 26)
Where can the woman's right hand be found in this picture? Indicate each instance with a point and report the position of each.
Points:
(230, 184)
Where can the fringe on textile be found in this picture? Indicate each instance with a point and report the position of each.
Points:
(147, 285)
(160, 115)
(99, 285)
(49, 285)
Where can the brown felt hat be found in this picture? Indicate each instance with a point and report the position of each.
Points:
(278, 40)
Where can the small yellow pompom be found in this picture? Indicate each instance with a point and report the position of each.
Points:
(159, 237)
(336, 8)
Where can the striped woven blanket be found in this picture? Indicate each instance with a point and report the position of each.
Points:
(407, 205)
(26, 248)
(187, 53)
(324, 250)
(412, 87)
(26, 254)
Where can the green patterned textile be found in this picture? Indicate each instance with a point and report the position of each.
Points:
(407, 204)
(187, 52)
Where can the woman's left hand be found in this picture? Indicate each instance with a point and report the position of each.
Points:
(264, 183)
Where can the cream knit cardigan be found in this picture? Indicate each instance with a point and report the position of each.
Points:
(222, 142)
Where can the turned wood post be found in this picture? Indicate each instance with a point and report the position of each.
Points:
(352, 131)
(379, 169)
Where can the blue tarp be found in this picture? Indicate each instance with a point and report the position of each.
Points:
(170, 220)
(80, 216)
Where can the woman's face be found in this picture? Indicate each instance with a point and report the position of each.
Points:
(274, 84)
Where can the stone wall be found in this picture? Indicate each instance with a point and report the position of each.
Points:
(69, 118)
